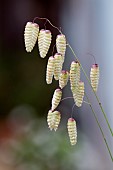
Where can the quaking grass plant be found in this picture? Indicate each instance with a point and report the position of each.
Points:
(32, 34)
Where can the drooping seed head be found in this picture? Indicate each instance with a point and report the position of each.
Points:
(53, 119)
(50, 69)
(74, 76)
(30, 35)
(72, 131)
(58, 65)
(80, 94)
(44, 41)
(63, 78)
(94, 76)
(61, 44)
(56, 98)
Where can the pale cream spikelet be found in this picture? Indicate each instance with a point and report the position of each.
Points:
(56, 98)
(58, 65)
(72, 131)
(94, 76)
(80, 94)
(53, 119)
(61, 44)
(63, 78)
(50, 70)
(74, 76)
(30, 35)
(44, 41)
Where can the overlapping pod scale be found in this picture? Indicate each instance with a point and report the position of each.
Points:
(50, 70)
(58, 65)
(80, 94)
(74, 76)
(53, 119)
(56, 98)
(61, 44)
(63, 78)
(44, 41)
(94, 76)
(30, 35)
(72, 131)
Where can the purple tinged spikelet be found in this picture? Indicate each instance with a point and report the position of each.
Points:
(72, 131)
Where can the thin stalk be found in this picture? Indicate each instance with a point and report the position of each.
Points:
(72, 110)
(93, 92)
(100, 105)
(99, 127)
(67, 98)
(47, 20)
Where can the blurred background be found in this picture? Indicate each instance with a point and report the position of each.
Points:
(25, 98)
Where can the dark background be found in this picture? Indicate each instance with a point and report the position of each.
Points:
(22, 74)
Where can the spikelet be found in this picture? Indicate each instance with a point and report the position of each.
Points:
(58, 65)
(30, 35)
(53, 119)
(94, 76)
(44, 41)
(50, 69)
(61, 44)
(72, 131)
(80, 94)
(63, 78)
(56, 98)
(74, 76)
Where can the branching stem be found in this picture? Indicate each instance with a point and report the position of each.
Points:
(92, 56)
(67, 98)
(100, 105)
(73, 109)
(49, 23)
(93, 92)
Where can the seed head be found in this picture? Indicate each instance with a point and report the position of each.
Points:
(72, 131)
(53, 119)
(30, 35)
(44, 41)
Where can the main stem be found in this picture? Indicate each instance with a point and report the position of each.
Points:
(93, 92)
(99, 127)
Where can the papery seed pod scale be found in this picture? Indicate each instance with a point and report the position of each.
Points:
(50, 69)
(80, 94)
(53, 119)
(58, 65)
(56, 98)
(61, 44)
(72, 131)
(63, 78)
(44, 41)
(74, 75)
(94, 76)
(30, 35)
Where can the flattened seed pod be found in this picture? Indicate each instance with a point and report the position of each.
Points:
(56, 98)
(50, 70)
(58, 65)
(94, 76)
(72, 131)
(63, 78)
(80, 94)
(74, 76)
(30, 35)
(61, 44)
(53, 119)
(44, 41)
